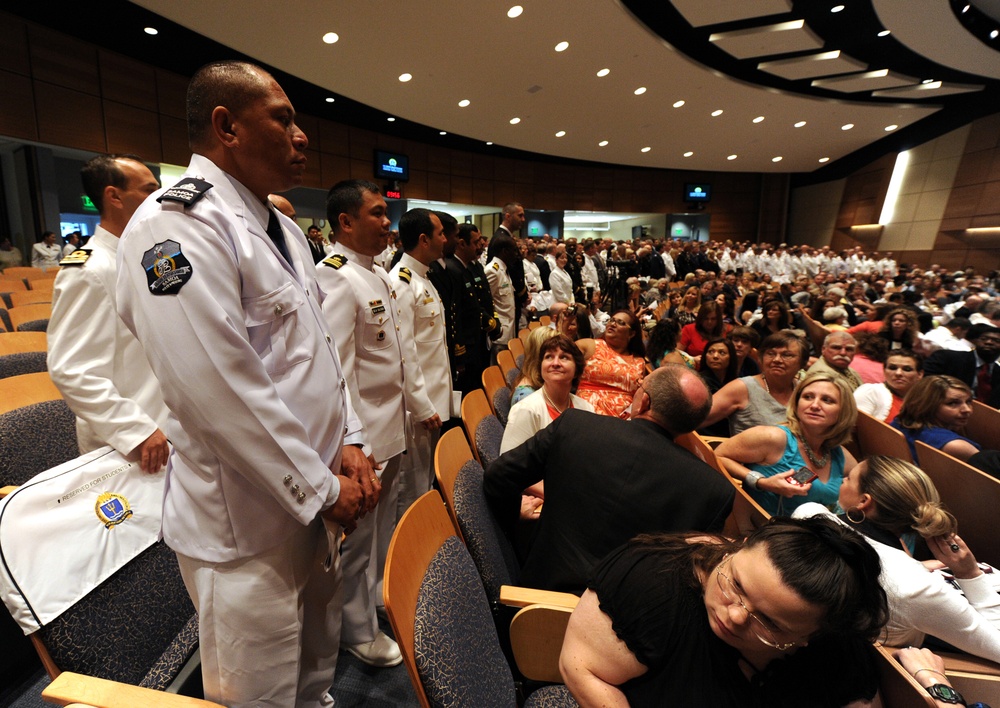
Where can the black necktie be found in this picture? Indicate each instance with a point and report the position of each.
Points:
(277, 235)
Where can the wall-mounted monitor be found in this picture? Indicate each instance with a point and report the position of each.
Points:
(697, 192)
(392, 166)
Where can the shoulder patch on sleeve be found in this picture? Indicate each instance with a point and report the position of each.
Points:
(76, 258)
(167, 269)
(405, 275)
(335, 261)
(187, 191)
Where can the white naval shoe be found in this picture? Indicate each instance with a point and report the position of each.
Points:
(381, 652)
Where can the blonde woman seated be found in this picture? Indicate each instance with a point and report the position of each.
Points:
(887, 500)
(560, 364)
(531, 380)
(770, 458)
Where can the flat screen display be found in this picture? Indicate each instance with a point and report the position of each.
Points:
(697, 192)
(392, 166)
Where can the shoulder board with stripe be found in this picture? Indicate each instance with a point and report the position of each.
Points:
(405, 275)
(187, 191)
(76, 258)
(335, 261)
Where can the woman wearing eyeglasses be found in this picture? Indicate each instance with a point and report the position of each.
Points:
(615, 366)
(783, 619)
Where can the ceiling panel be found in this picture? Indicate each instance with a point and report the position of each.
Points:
(769, 40)
(713, 12)
(867, 81)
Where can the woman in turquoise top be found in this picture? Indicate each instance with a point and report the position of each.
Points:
(821, 414)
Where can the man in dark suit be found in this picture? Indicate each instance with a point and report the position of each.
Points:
(978, 368)
(607, 480)
(513, 220)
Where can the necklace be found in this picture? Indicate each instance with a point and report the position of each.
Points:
(817, 462)
(766, 387)
(553, 405)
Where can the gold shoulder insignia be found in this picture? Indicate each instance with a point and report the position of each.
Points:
(496, 266)
(335, 261)
(76, 258)
(404, 274)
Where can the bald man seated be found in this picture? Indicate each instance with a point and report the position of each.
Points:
(607, 480)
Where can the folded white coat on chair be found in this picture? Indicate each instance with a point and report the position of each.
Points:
(70, 528)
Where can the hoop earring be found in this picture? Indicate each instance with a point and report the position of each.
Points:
(855, 521)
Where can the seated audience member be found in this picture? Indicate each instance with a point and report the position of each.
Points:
(727, 309)
(583, 327)
(530, 379)
(685, 313)
(762, 399)
(745, 341)
(869, 360)
(835, 358)
(717, 367)
(558, 364)
(886, 500)
(948, 336)
(657, 485)
(902, 369)
(615, 365)
(935, 411)
(700, 621)
(707, 325)
(978, 368)
(821, 415)
(900, 329)
(662, 346)
(835, 319)
(598, 317)
(774, 318)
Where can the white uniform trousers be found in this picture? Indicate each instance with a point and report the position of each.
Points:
(416, 473)
(269, 627)
(363, 561)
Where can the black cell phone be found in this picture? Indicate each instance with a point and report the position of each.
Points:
(803, 475)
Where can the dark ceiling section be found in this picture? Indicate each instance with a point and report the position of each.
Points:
(854, 31)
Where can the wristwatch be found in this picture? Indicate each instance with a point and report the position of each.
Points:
(946, 694)
(750, 481)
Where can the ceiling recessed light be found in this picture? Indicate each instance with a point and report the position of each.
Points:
(603, 72)
(731, 157)
(603, 143)
(515, 121)
(837, 8)
(464, 102)
(776, 159)
(560, 133)
(391, 119)
(330, 99)
(512, 13)
(966, 9)
(646, 149)
(994, 33)
(678, 104)
(800, 124)
(824, 159)
(331, 37)
(405, 77)
(688, 154)
(927, 81)
(151, 31)
(890, 128)
(884, 33)
(489, 142)
(562, 46)
(758, 119)
(442, 132)
(639, 91)
(847, 127)
(716, 114)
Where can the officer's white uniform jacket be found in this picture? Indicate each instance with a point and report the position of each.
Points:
(247, 366)
(361, 307)
(422, 321)
(503, 297)
(94, 360)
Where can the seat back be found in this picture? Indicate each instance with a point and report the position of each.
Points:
(522, 334)
(29, 297)
(44, 284)
(516, 347)
(18, 342)
(984, 426)
(451, 453)
(972, 496)
(11, 284)
(29, 313)
(475, 407)
(488, 546)
(878, 438)
(501, 404)
(25, 272)
(492, 381)
(23, 390)
(22, 363)
(439, 613)
(544, 320)
(896, 687)
(536, 637)
(489, 439)
(36, 438)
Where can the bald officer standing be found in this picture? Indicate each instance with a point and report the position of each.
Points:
(221, 291)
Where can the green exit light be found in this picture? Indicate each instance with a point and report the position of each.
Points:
(87, 204)
(535, 230)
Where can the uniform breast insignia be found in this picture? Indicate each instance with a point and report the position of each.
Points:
(377, 307)
(76, 258)
(335, 261)
(380, 336)
(112, 509)
(166, 268)
(187, 191)
(405, 275)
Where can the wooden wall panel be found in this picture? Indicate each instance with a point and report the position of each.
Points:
(334, 168)
(334, 138)
(127, 81)
(14, 45)
(134, 130)
(362, 169)
(310, 126)
(313, 176)
(171, 94)
(174, 140)
(438, 160)
(362, 147)
(975, 168)
(416, 188)
(17, 118)
(482, 192)
(64, 61)
(439, 186)
(69, 118)
(461, 190)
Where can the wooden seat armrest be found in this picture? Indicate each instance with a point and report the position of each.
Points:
(969, 664)
(69, 688)
(4, 491)
(516, 596)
